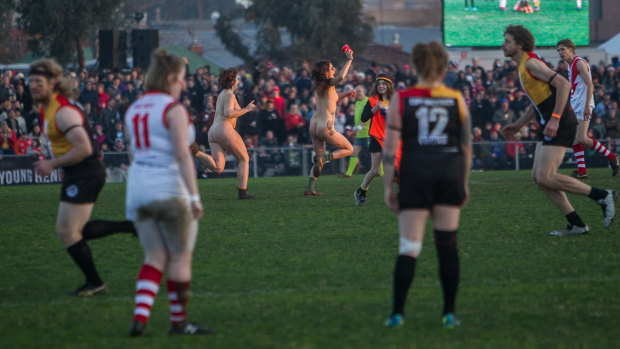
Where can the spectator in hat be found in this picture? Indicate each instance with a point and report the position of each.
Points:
(102, 97)
(295, 123)
(278, 101)
(504, 115)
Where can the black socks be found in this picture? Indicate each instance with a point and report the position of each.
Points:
(597, 194)
(97, 228)
(403, 276)
(445, 243)
(574, 219)
(80, 252)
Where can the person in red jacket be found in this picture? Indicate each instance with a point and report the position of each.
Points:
(376, 111)
(278, 101)
(22, 144)
(294, 122)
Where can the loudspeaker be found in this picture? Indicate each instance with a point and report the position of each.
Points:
(143, 43)
(112, 49)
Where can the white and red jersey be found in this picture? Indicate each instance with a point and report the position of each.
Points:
(154, 174)
(145, 121)
(578, 87)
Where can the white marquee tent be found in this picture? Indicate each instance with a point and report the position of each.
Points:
(611, 46)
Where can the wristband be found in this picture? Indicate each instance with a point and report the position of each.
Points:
(557, 116)
(194, 198)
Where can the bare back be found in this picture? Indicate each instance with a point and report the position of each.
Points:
(322, 123)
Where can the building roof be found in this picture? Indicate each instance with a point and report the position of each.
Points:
(215, 52)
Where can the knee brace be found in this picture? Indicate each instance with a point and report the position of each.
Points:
(408, 247)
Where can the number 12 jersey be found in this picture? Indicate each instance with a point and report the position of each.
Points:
(432, 119)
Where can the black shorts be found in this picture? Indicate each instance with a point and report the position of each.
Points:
(563, 138)
(567, 129)
(83, 182)
(374, 146)
(430, 179)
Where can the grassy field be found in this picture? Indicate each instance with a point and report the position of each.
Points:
(287, 271)
(557, 19)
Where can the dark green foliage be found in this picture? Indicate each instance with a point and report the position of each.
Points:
(232, 40)
(317, 28)
(57, 27)
(7, 8)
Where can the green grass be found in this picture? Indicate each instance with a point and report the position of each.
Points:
(557, 19)
(287, 271)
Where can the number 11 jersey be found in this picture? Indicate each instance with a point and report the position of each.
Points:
(154, 174)
(145, 121)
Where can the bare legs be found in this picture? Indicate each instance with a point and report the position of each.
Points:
(319, 141)
(374, 170)
(221, 139)
(546, 162)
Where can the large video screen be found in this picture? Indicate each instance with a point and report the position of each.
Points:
(482, 22)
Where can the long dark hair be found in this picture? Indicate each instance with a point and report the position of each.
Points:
(227, 78)
(321, 83)
(390, 88)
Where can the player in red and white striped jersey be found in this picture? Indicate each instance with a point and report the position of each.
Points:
(582, 102)
(162, 193)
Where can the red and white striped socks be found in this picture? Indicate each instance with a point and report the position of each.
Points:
(146, 290)
(599, 147)
(178, 295)
(579, 156)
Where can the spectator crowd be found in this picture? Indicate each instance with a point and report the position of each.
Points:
(286, 104)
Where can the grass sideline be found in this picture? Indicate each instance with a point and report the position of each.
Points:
(557, 19)
(287, 271)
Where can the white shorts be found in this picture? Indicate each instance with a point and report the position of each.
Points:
(146, 184)
(158, 204)
(167, 225)
(580, 116)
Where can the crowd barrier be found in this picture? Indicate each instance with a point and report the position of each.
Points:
(297, 161)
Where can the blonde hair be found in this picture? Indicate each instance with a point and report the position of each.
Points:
(52, 70)
(430, 60)
(162, 65)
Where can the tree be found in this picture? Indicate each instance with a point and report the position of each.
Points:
(317, 29)
(57, 27)
(6, 13)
